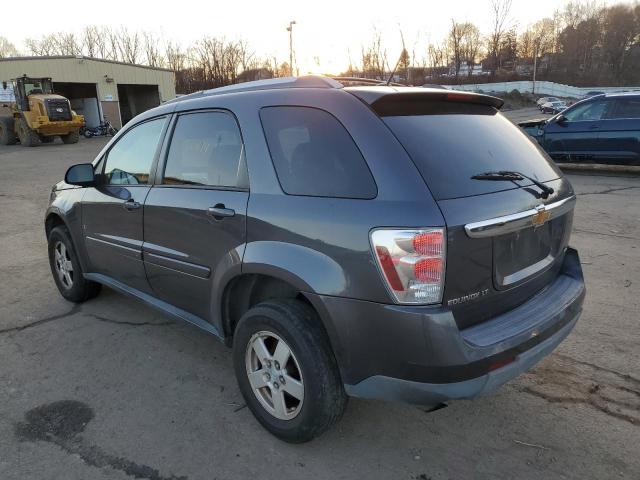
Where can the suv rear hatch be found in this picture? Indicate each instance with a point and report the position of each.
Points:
(506, 238)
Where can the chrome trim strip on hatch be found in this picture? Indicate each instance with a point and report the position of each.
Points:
(516, 221)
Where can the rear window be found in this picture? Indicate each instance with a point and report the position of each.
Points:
(450, 148)
(314, 155)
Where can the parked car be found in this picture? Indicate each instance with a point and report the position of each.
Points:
(404, 244)
(553, 107)
(542, 100)
(601, 129)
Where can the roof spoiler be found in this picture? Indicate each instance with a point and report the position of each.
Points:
(387, 101)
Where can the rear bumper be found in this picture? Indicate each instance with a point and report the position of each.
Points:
(396, 389)
(419, 355)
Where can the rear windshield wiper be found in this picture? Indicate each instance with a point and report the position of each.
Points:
(509, 175)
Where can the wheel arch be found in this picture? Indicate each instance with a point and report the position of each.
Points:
(55, 218)
(248, 289)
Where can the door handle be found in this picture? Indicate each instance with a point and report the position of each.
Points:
(594, 127)
(131, 205)
(219, 211)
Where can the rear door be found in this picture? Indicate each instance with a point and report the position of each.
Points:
(112, 211)
(620, 133)
(577, 137)
(194, 217)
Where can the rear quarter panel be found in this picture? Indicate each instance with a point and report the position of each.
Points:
(328, 237)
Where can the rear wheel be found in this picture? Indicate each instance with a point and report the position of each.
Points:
(286, 370)
(66, 269)
(7, 135)
(28, 137)
(73, 137)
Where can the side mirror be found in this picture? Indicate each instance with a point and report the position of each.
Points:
(561, 119)
(81, 174)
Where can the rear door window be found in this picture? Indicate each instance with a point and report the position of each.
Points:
(626, 108)
(314, 155)
(458, 141)
(206, 150)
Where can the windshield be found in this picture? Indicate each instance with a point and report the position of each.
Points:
(449, 149)
(34, 87)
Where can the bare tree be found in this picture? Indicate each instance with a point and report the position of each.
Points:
(499, 26)
(621, 31)
(374, 58)
(152, 54)
(129, 45)
(470, 45)
(7, 49)
(455, 40)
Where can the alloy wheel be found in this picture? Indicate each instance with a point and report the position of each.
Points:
(274, 375)
(63, 264)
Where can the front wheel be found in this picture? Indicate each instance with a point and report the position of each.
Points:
(70, 138)
(66, 269)
(286, 370)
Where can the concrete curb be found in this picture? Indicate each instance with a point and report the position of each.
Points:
(600, 168)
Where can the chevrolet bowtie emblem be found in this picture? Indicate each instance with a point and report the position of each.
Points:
(541, 216)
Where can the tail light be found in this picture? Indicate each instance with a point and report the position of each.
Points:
(412, 263)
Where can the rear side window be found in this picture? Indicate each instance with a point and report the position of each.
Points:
(626, 108)
(129, 160)
(449, 148)
(314, 155)
(206, 149)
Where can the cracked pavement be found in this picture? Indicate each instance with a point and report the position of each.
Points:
(98, 392)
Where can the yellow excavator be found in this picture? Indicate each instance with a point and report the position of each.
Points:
(38, 115)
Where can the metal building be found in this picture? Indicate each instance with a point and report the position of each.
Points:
(97, 88)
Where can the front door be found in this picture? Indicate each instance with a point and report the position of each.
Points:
(576, 139)
(112, 212)
(194, 218)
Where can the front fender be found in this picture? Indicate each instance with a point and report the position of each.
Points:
(306, 269)
(66, 205)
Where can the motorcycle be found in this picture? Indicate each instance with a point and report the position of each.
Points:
(104, 129)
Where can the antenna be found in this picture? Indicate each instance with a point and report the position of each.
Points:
(394, 69)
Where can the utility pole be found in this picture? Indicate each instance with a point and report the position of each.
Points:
(290, 30)
(535, 67)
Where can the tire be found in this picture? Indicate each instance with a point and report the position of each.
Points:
(7, 135)
(72, 286)
(87, 133)
(311, 371)
(72, 137)
(28, 137)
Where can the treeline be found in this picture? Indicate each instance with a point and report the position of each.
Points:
(584, 44)
(208, 63)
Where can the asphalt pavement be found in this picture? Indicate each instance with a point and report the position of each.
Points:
(113, 389)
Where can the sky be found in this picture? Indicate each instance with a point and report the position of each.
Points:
(325, 34)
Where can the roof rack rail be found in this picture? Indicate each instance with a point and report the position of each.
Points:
(354, 81)
(307, 81)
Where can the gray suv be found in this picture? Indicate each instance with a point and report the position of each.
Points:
(405, 244)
